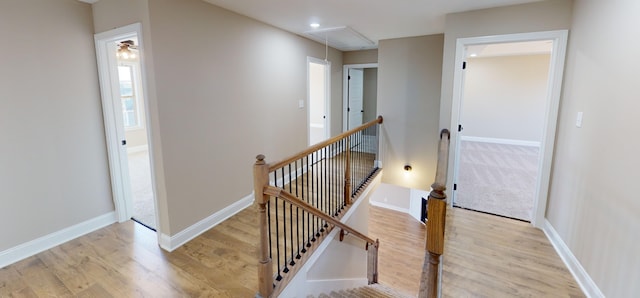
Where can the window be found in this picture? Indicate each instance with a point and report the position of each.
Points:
(129, 96)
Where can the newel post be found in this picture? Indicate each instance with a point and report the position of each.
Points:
(265, 269)
(347, 172)
(437, 207)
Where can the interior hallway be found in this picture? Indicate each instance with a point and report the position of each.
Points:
(484, 256)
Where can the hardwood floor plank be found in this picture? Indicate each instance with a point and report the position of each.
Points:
(485, 256)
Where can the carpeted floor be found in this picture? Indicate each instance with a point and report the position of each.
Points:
(140, 174)
(497, 178)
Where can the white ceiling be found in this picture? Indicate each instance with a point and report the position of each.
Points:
(356, 24)
(373, 19)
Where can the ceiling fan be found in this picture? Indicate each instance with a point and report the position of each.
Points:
(127, 49)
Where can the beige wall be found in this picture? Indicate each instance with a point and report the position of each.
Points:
(531, 17)
(505, 97)
(54, 172)
(409, 74)
(360, 57)
(594, 198)
(233, 96)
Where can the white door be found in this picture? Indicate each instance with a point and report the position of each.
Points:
(356, 109)
(318, 99)
(126, 126)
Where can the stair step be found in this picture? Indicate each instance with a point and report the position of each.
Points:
(370, 291)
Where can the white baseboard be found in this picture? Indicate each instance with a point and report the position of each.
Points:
(170, 243)
(54, 239)
(501, 141)
(587, 284)
(389, 206)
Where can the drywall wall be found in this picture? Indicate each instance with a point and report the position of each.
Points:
(409, 74)
(505, 97)
(360, 57)
(369, 94)
(54, 171)
(235, 95)
(593, 199)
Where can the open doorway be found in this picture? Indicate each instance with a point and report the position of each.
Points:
(502, 112)
(558, 41)
(318, 78)
(360, 94)
(125, 115)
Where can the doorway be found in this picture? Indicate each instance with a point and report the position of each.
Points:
(318, 88)
(552, 93)
(360, 94)
(502, 113)
(126, 124)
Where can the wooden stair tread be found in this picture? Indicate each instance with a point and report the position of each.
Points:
(370, 291)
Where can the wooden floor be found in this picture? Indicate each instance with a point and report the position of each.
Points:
(485, 256)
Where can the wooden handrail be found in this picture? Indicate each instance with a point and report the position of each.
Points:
(437, 207)
(285, 195)
(318, 146)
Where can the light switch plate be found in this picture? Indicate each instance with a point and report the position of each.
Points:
(301, 104)
(579, 120)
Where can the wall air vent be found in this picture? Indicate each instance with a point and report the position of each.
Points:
(342, 38)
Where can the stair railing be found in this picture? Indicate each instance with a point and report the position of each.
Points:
(430, 283)
(302, 198)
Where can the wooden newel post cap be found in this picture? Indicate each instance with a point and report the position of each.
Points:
(260, 159)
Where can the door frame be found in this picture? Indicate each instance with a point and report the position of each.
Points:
(327, 100)
(556, 71)
(116, 152)
(345, 90)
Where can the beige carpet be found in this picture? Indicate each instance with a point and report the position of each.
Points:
(140, 174)
(498, 179)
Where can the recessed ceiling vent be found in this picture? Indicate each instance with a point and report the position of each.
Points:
(342, 38)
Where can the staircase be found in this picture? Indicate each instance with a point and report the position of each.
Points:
(301, 200)
(370, 291)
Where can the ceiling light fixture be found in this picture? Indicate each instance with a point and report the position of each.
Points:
(473, 55)
(314, 25)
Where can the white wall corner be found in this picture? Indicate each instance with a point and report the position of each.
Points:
(170, 243)
(389, 206)
(43, 243)
(587, 284)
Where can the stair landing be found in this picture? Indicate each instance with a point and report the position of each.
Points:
(370, 291)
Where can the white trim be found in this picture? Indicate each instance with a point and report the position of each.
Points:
(345, 90)
(389, 206)
(500, 141)
(556, 70)
(49, 241)
(112, 115)
(137, 149)
(587, 284)
(170, 243)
